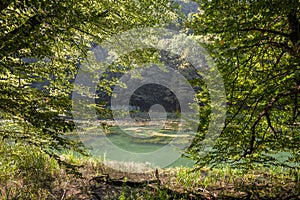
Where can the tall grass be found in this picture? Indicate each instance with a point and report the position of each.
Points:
(256, 183)
(28, 173)
(25, 172)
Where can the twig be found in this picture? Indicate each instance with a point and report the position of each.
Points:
(64, 194)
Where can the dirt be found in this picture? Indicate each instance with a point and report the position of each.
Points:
(110, 184)
(101, 183)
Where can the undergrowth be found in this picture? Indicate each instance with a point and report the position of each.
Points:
(25, 172)
(28, 173)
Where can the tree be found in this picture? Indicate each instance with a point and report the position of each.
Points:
(43, 42)
(256, 46)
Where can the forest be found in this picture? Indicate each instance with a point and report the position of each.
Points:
(139, 99)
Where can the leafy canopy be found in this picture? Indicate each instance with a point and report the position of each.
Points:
(256, 45)
(42, 43)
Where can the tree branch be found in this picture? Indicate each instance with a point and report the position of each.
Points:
(294, 26)
(270, 124)
(264, 113)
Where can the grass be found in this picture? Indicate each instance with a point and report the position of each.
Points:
(226, 182)
(27, 173)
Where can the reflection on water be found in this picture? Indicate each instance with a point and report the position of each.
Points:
(138, 138)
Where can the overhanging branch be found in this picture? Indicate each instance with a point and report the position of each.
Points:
(265, 113)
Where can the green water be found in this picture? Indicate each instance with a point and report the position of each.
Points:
(134, 140)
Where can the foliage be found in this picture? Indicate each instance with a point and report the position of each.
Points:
(226, 182)
(25, 172)
(28, 173)
(42, 45)
(256, 46)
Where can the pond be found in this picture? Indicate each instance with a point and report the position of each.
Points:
(136, 141)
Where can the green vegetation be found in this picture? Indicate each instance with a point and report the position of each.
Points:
(27, 173)
(42, 45)
(256, 47)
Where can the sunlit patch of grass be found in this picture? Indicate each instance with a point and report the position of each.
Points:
(256, 183)
(25, 172)
(28, 173)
